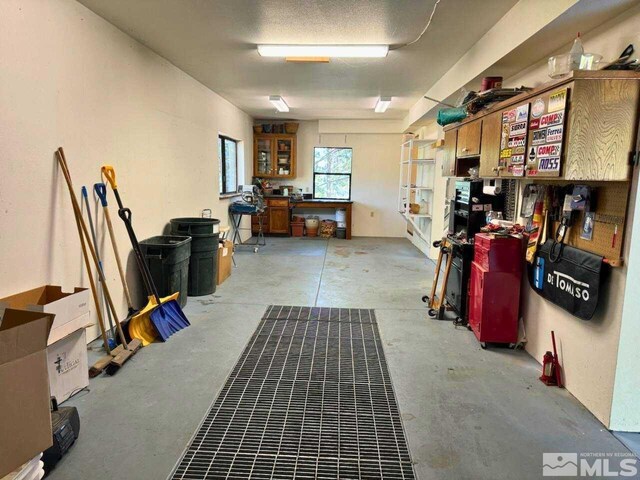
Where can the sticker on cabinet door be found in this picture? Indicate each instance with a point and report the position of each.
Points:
(519, 150)
(532, 154)
(554, 134)
(520, 141)
(522, 113)
(550, 119)
(549, 164)
(537, 109)
(509, 116)
(517, 160)
(557, 101)
(539, 137)
(506, 153)
(534, 124)
(551, 150)
(517, 129)
(518, 171)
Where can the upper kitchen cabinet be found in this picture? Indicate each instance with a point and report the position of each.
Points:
(274, 155)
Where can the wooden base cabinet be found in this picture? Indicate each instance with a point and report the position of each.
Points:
(275, 219)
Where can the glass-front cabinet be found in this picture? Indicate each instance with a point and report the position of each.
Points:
(274, 155)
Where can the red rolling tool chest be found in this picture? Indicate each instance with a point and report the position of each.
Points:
(494, 296)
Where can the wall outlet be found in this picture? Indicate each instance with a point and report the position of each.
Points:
(372, 213)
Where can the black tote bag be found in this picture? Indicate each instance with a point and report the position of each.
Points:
(570, 279)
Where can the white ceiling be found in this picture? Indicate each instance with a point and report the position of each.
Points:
(214, 41)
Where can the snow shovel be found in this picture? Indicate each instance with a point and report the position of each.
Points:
(100, 190)
(165, 314)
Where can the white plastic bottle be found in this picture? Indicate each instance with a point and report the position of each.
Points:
(575, 54)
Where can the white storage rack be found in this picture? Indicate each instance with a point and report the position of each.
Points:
(417, 155)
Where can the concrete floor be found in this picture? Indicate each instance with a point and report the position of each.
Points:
(468, 413)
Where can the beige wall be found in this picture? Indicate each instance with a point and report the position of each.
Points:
(588, 349)
(68, 78)
(375, 174)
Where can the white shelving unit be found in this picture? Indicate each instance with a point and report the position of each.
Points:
(417, 173)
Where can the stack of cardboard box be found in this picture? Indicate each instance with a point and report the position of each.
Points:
(43, 353)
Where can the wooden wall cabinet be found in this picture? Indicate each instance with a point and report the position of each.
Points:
(602, 128)
(469, 140)
(597, 135)
(274, 155)
(490, 145)
(449, 153)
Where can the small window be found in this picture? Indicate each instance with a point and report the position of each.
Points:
(228, 164)
(332, 173)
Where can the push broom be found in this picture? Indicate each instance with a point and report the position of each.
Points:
(115, 357)
(165, 313)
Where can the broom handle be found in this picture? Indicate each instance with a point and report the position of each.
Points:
(101, 191)
(94, 238)
(87, 264)
(83, 226)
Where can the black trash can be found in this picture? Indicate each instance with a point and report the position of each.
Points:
(203, 265)
(168, 260)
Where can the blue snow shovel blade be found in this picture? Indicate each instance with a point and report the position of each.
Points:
(168, 318)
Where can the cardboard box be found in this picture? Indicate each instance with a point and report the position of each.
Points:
(71, 310)
(225, 250)
(25, 417)
(33, 469)
(68, 365)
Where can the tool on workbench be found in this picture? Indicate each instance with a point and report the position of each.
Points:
(165, 314)
(112, 341)
(116, 357)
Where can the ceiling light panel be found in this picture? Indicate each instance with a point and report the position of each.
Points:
(382, 104)
(279, 103)
(332, 51)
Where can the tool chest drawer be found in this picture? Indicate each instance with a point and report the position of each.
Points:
(498, 254)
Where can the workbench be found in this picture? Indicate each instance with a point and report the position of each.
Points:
(317, 203)
(276, 219)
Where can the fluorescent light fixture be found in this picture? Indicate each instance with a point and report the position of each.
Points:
(333, 51)
(279, 103)
(382, 104)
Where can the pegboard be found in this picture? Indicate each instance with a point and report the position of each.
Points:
(611, 211)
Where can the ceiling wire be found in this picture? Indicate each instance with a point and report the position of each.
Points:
(433, 12)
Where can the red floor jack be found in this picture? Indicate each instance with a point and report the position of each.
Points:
(551, 370)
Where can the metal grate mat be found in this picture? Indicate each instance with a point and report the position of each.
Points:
(310, 397)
